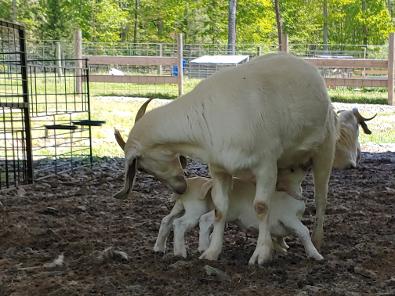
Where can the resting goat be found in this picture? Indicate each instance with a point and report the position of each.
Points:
(196, 204)
(348, 150)
(273, 112)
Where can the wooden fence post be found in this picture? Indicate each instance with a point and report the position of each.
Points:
(58, 54)
(284, 42)
(259, 51)
(391, 64)
(78, 56)
(180, 64)
(160, 54)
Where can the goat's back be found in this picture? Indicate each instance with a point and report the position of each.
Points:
(274, 105)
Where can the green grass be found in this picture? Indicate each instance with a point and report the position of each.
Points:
(382, 127)
(360, 96)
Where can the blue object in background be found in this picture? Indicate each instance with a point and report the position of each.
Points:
(174, 68)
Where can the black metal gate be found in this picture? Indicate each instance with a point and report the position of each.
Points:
(45, 124)
(15, 138)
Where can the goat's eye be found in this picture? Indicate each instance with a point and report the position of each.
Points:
(292, 170)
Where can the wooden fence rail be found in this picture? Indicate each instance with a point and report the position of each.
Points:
(375, 72)
(136, 61)
(379, 67)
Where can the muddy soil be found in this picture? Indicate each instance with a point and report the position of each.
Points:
(68, 236)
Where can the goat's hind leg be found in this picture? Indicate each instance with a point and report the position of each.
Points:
(302, 232)
(322, 167)
(166, 226)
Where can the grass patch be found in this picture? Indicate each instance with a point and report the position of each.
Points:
(360, 96)
(122, 112)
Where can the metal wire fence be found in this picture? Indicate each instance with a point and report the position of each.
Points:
(15, 141)
(190, 52)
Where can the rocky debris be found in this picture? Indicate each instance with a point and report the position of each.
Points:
(111, 254)
(217, 273)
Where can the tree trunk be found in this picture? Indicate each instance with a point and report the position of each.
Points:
(13, 10)
(232, 27)
(364, 27)
(136, 8)
(279, 24)
(325, 25)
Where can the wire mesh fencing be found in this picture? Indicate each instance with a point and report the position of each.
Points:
(45, 124)
(60, 115)
(15, 141)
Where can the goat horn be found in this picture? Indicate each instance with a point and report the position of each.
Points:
(142, 109)
(359, 117)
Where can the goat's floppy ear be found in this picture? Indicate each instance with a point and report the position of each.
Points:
(119, 139)
(365, 128)
(206, 189)
(130, 176)
(362, 120)
(183, 161)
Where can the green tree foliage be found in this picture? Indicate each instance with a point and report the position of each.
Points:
(204, 21)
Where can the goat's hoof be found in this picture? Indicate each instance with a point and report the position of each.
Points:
(121, 195)
(317, 239)
(209, 255)
(182, 254)
(261, 255)
(316, 256)
(159, 249)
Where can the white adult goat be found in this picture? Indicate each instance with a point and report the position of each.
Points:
(273, 112)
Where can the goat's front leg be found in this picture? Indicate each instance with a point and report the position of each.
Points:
(266, 178)
(166, 225)
(222, 184)
(181, 226)
(205, 223)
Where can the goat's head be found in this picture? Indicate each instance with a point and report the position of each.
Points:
(348, 150)
(290, 179)
(158, 161)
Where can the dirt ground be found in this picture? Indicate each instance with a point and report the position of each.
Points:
(103, 246)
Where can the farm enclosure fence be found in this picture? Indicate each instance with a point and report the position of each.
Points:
(45, 125)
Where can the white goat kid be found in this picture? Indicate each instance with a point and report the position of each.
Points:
(196, 204)
(273, 112)
(284, 219)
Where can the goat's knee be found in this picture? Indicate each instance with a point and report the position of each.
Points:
(261, 209)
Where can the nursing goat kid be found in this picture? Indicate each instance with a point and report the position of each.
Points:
(197, 207)
(273, 112)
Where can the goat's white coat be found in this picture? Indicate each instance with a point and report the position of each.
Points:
(273, 112)
(284, 219)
